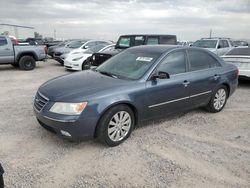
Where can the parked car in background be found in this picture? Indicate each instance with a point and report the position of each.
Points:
(239, 57)
(240, 43)
(185, 43)
(52, 49)
(219, 46)
(139, 84)
(78, 47)
(78, 61)
(127, 41)
(66, 49)
(24, 57)
(35, 41)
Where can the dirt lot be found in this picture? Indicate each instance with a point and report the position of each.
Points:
(195, 149)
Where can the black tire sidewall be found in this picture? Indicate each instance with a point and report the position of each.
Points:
(102, 128)
(23, 63)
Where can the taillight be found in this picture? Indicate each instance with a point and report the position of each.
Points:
(46, 50)
(237, 72)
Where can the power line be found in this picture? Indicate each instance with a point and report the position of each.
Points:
(13, 25)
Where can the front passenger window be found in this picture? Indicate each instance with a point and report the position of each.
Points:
(174, 63)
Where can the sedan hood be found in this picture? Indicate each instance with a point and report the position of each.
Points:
(78, 86)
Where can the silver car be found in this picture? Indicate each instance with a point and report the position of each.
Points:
(240, 57)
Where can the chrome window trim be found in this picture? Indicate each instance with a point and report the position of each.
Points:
(176, 100)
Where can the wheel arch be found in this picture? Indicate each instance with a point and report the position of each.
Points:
(32, 54)
(129, 104)
(228, 88)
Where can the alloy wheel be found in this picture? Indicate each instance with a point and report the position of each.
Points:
(220, 99)
(119, 126)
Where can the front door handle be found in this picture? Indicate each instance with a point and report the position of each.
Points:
(186, 83)
(7, 49)
(216, 77)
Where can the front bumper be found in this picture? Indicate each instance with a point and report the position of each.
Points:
(72, 65)
(74, 128)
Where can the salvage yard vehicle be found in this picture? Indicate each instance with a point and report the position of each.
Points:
(139, 84)
(217, 45)
(24, 57)
(240, 57)
(79, 61)
(75, 47)
(127, 41)
(52, 49)
(240, 43)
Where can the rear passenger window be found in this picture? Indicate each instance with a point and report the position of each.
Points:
(168, 40)
(175, 63)
(152, 40)
(225, 44)
(3, 41)
(198, 60)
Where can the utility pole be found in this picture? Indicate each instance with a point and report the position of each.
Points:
(55, 34)
(210, 34)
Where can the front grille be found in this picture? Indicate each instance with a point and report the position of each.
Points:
(40, 101)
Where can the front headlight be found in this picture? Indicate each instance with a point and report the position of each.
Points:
(78, 58)
(68, 108)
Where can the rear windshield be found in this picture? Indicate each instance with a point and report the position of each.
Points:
(205, 43)
(239, 51)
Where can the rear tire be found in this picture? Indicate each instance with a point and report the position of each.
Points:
(116, 125)
(27, 63)
(218, 100)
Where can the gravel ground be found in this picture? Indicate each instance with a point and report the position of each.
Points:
(195, 149)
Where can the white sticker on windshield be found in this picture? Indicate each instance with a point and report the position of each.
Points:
(147, 59)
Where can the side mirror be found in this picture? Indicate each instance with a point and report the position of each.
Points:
(161, 75)
(218, 47)
(86, 47)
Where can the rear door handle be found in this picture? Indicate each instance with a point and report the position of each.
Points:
(186, 83)
(7, 48)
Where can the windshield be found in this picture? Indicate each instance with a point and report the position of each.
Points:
(95, 49)
(128, 65)
(76, 44)
(62, 43)
(205, 43)
(128, 41)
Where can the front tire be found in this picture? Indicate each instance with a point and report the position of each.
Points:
(27, 63)
(219, 100)
(116, 125)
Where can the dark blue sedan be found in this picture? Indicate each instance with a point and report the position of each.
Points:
(138, 84)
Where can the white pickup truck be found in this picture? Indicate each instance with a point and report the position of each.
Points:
(24, 57)
(217, 45)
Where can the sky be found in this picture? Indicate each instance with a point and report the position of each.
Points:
(107, 19)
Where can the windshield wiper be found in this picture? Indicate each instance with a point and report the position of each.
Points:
(107, 74)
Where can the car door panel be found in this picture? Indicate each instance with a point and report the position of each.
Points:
(204, 77)
(6, 51)
(170, 95)
(165, 96)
